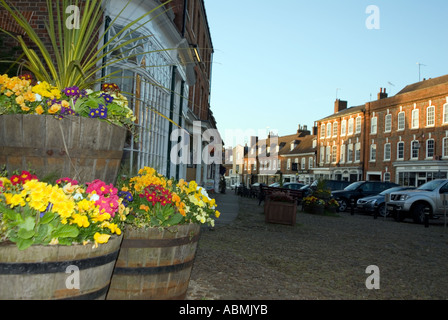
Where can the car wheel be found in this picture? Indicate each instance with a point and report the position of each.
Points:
(382, 210)
(343, 204)
(418, 212)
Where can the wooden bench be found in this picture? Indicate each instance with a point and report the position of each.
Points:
(295, 194)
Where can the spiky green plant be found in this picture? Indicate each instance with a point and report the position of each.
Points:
(76, 55)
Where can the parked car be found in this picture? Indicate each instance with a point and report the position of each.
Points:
(293, 185)
(414, 203)
(306, 190)
(377, 203)
(275, 185)
(332, 184)
(358, 190)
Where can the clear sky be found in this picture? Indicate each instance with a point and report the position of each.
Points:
(278, 64)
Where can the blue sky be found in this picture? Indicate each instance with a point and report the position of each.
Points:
(280, 64)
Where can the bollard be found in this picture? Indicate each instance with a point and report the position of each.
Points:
(426, 217)
(352, 209)
(375, 212)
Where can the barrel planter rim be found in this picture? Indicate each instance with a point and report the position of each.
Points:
(52, 261)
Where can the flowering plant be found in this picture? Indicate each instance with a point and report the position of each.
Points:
(280, 196)
(332, 203)
(34, 212)
(313, 201)
(19, 96)
(155, 201)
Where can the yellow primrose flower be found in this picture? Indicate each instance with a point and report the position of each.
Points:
(101, 238)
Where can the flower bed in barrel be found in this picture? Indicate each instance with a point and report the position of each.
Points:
(161, 236)
(58, 241)
(71, 133)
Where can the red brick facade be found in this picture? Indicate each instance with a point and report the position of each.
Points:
(403, 139)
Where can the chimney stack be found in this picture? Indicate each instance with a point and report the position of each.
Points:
(339, 105)
(382, 94)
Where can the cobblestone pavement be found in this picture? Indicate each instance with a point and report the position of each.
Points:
(321, 257)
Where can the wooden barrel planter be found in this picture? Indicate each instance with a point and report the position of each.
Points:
(76, 147)
(47, 272)
(155, 264)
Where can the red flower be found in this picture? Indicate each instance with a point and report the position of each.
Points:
(15, 180)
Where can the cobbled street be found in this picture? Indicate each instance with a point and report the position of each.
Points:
(321, 257)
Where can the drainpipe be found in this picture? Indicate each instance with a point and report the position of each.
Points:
(181, 105)
(170, 124)
(184, 22)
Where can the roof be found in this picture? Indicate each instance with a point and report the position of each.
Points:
(350, 110)
(424, 84)
(305, 145)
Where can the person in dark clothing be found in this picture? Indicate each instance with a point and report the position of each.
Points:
(261, 195)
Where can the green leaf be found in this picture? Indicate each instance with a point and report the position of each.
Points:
(28, 224)
(22, 244)
(175, 219)
(47, 218)
(43, 232)
(65, 231)
(25, 234)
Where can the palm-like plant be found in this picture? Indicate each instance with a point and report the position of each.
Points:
(77, 53)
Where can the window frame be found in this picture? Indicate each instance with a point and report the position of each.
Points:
(400, 143)
(374, 125)
(415, 119)
(387, 151)
(401, 121)
(388, 123)
(429, 117)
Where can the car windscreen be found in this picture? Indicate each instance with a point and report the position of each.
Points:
(431, 185)
(353, 186)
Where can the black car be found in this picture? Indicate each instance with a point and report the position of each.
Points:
(332, 184)
(358, 190)
(293, 185)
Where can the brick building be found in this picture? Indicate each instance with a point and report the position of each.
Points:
(279, 157)
(403, 139)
